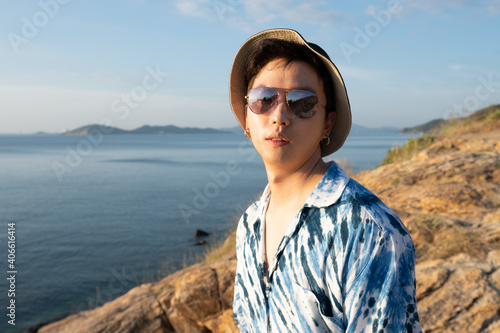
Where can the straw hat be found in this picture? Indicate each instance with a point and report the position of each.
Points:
(238, 89)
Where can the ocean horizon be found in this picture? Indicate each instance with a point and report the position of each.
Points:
(96, 216)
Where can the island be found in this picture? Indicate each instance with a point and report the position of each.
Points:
(146, 129)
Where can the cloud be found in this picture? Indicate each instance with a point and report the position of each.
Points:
(494, 8)
(196, 8)
(371, 9)
(314, 13)
(264, 11)
(455, 67)
(249, 15)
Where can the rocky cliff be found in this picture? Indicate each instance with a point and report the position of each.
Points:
(449, 198)
(448, 195)
(195, 299)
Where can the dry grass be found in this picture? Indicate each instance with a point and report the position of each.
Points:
(487, 121)
(219, 251)
(437, 238)
(464, 127)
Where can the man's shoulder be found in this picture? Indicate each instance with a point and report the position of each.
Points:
(365, 206)
(355, 191)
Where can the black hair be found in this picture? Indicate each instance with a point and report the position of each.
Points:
(270, 49)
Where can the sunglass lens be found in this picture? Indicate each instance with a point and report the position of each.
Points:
(302, 103)
(260, 100)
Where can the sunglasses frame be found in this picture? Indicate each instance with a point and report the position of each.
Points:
(280, 91)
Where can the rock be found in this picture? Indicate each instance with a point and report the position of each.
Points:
(203, 307)
(450, 180)
(136, 311)
(201, 242)
(196, 299)
(200, 233)
(459, 295)
(448, 196)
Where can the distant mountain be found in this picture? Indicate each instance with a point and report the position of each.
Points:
(235, 129)
(434, 126)
(146, 129)
(429, 127)
(94, 128)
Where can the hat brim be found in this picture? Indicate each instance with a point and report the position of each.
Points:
(238, 89)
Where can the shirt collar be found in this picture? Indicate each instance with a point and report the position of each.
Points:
(326, 193)
(329, 188)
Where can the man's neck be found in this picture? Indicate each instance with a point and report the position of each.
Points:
(292, 189)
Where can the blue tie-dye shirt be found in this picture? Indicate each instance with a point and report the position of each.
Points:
(345, 264)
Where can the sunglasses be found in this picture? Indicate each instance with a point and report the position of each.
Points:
(301, 102)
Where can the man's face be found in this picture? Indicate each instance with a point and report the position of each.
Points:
(281, 138)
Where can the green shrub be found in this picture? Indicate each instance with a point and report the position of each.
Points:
(494, 115)
(410, 149)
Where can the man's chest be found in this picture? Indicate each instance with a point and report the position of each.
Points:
(276, 226)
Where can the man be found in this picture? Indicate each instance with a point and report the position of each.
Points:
(318, 252)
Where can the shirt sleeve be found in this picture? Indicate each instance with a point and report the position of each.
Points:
(380, 292)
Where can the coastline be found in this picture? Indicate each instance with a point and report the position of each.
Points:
(450, 206)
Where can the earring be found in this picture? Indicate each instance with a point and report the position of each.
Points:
(327, 141)
(247, 133)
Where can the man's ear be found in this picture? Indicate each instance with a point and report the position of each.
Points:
(330, 121)
(247, 130)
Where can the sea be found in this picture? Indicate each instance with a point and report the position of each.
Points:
(83, 219)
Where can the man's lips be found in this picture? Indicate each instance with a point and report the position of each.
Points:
(277, 137)
(277, 140)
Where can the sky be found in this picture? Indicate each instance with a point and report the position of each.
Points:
(128, 63)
